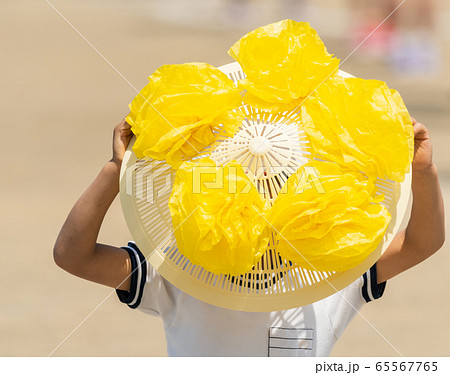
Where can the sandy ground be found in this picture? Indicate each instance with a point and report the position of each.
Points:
(60, 101)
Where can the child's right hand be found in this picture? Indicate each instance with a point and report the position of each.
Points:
(121, 138)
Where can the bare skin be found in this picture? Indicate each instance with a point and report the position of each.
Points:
(425, 233)
(76, 249)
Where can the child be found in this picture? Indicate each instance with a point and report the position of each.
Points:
(195, 328)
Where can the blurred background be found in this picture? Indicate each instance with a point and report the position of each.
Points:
(65, 87)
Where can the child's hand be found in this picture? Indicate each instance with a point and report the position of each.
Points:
(422, 147)
(121, 137)
(76, 249)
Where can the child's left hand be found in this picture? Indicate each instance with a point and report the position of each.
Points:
(423, 155)
(121, 137)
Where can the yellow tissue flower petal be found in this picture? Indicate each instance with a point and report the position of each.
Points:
(284, 62)
(327, 218)
(360, 124)
(181, 109)
(218, 217)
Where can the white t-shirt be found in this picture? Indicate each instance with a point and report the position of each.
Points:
(196, 328)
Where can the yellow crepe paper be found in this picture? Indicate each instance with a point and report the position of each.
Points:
(360, 124)
(216, 213)
(326, 217)
(175, 116)
(284, 62)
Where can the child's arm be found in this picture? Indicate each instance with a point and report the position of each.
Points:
(76, 249)
(425, 232)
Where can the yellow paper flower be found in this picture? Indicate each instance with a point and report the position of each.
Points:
(218, 217)
(177, 114)
(284, 62)
(327, 219)
(360, 124)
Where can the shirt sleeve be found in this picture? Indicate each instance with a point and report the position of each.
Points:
(138, 277)
(149, 292)
(345, 304)
(371, 289)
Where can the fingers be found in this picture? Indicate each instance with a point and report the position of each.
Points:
(419, 127)
(416, 124)
(121, 137)
(126, 129)
(420, 131)
(125, 124)
(123, 128)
